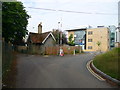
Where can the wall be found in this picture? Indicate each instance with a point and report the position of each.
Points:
(7, 57)
(117, 36)
(34, 49)
(49, 43)
(67, 50)
(21, 48)
(99, 34)
(117, 44)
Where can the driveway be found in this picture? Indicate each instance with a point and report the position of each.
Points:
(70, 71)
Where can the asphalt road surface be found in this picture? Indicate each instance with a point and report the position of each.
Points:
(56, 72)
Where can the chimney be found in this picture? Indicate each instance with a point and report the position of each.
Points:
(40, 28)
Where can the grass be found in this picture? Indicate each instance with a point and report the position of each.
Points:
(109, 63)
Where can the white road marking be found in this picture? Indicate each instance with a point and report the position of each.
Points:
(93, 73)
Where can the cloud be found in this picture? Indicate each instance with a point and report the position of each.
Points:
(67, 1)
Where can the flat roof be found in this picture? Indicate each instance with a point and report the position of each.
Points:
(81, 29)
(98, 28)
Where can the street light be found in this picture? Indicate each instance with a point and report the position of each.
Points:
(58, 34)
(60, 37)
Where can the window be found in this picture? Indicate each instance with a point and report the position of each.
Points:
(90, 32)
(89, 47)
(89, 40)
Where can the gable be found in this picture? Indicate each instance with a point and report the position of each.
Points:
(50, 34)
(49, 41)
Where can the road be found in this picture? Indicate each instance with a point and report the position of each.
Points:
(56, 72)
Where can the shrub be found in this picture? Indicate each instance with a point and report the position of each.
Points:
(77, 51)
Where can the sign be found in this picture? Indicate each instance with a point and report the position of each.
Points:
(80, 43)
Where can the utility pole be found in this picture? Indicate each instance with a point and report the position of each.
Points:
(59, 33)
(61, 38)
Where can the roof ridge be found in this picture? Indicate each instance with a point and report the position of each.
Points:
(39, 33)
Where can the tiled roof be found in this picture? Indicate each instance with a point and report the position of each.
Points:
(37, 38)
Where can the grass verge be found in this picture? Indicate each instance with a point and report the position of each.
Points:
(109, 63)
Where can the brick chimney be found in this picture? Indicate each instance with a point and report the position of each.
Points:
(40, 28)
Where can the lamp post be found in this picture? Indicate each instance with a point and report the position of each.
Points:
(60, 39)
(60, 35)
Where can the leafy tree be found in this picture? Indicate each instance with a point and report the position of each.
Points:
(56, 34)
(64, 39)
(14, 22)
(71, 42)
(70, 37)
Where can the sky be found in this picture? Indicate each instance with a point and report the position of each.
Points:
(84, 13)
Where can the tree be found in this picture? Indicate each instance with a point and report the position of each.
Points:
(98, 43)
(64, 39)
(14, 22)
(71, 42)
(56, 34)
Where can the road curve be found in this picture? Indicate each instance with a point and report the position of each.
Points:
(56, 72)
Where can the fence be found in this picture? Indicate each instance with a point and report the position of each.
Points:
(21, 49)
(66, 49)
(1, 59)
(34, 49)
(7, 56)
(51, 50)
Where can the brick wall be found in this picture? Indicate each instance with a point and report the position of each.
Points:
(67, 50)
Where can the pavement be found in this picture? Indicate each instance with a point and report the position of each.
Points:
(69, 71)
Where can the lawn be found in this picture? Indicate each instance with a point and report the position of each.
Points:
(109, 63)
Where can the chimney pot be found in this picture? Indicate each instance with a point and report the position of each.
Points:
(40, 28)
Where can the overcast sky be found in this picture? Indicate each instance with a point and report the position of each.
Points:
(85, 12)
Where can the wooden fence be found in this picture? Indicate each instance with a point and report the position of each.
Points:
(66, 49)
